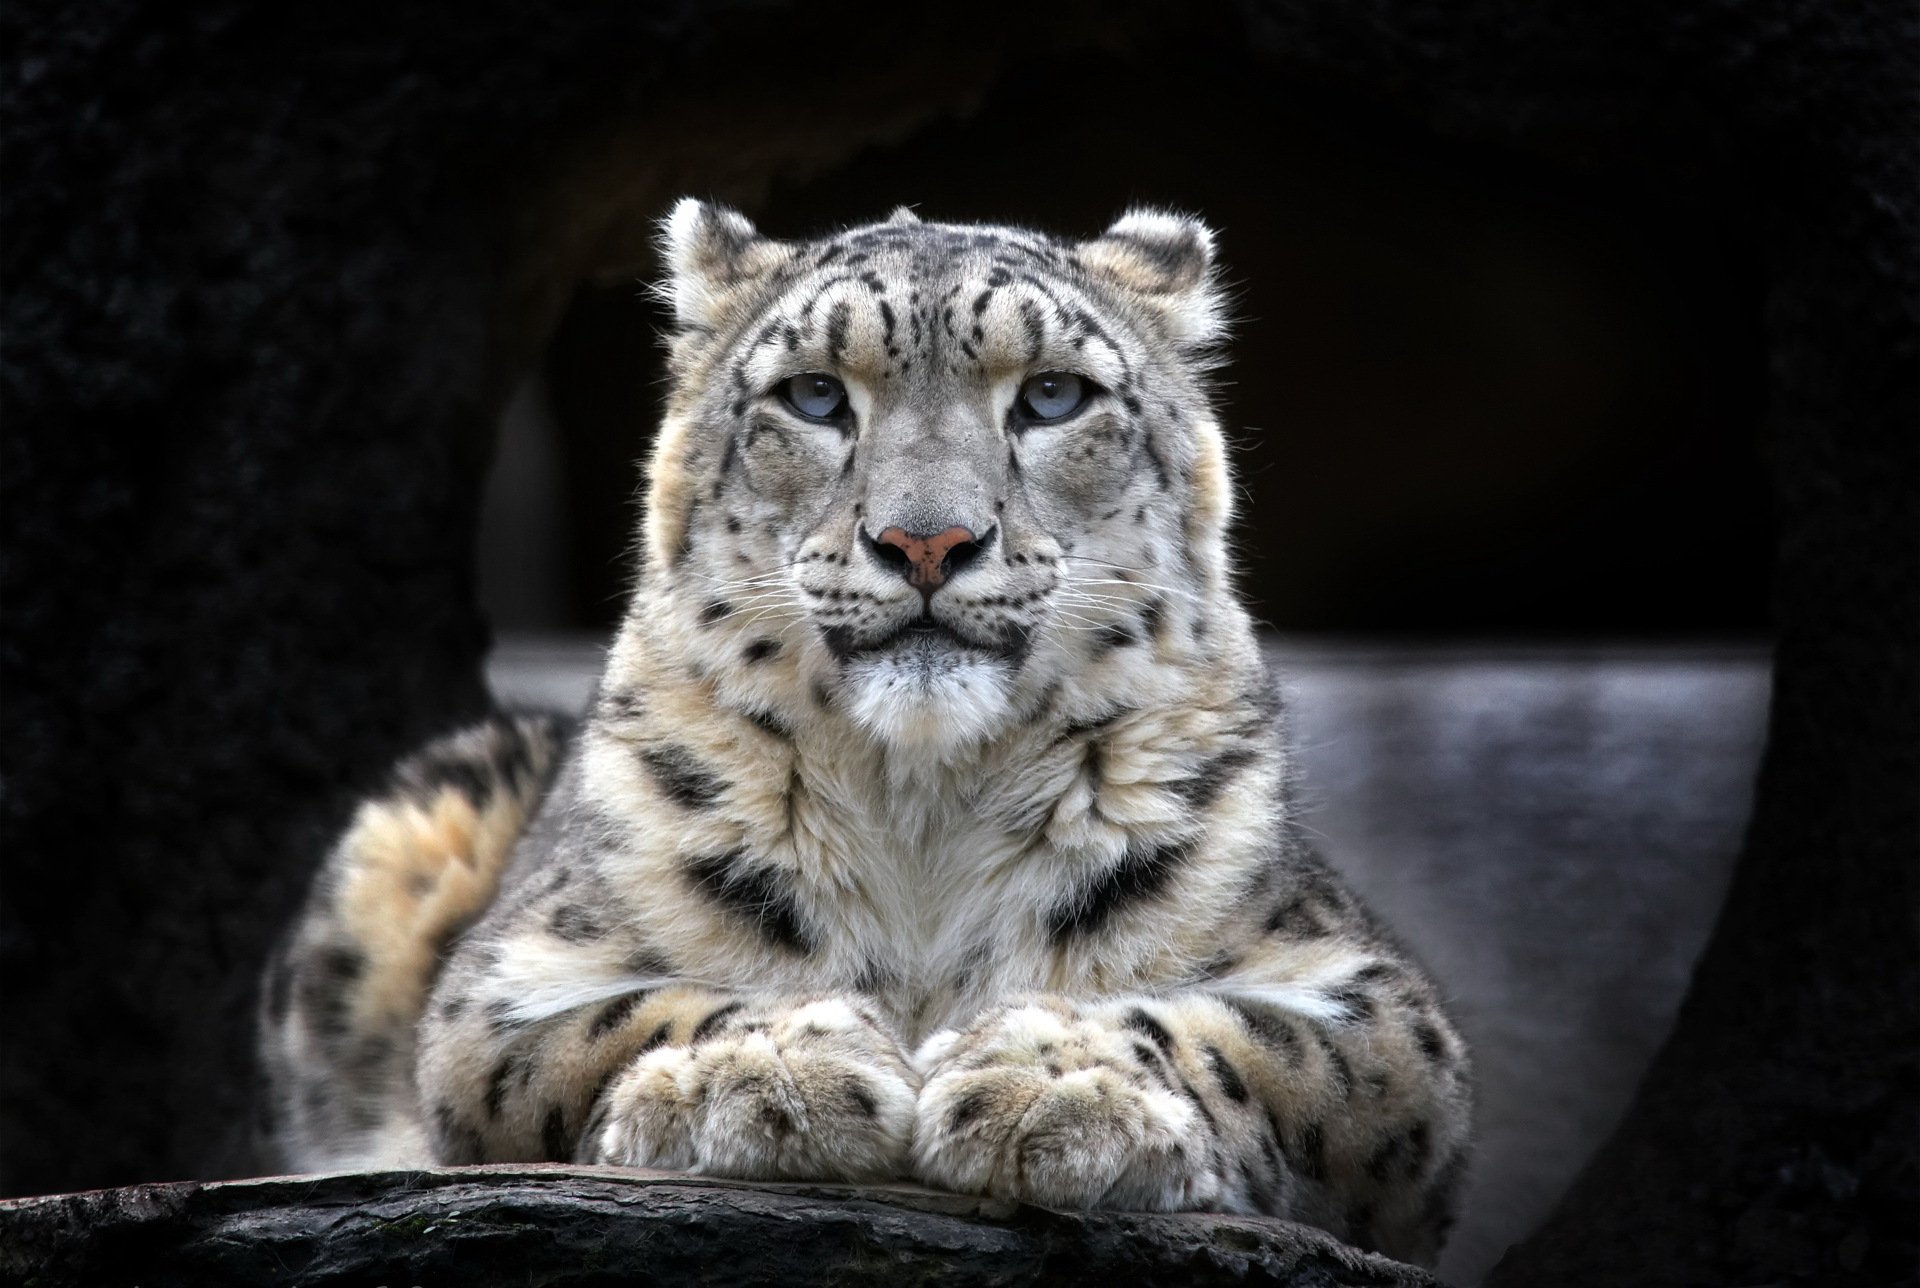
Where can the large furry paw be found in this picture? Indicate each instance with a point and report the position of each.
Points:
(815, 1093)
(1040, 1103)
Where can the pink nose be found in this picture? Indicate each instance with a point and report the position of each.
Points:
(927, 557)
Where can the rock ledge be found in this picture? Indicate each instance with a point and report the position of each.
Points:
(563, 1227)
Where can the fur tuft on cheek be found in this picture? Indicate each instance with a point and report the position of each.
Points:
(669, 493)
(1212, 508)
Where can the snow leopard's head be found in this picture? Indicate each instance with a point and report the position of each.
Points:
(937, 471)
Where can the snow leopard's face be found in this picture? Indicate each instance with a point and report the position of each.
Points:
(942, 470)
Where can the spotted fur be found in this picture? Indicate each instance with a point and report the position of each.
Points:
(341, 1006)
(994, 883)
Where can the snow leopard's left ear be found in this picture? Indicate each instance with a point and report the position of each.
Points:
(715, 258)
(1165, 261)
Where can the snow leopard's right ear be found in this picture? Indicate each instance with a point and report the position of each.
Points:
(714, 258)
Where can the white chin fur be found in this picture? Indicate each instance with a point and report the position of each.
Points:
(934, 704)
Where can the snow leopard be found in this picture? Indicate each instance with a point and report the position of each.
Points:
(932, 819)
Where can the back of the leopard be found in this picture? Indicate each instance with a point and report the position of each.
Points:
(340, 1008)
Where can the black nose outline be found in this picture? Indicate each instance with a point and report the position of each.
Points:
(928, 561)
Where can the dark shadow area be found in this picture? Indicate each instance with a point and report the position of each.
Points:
(1472, 395)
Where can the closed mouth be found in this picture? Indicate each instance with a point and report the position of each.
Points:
(842, 643)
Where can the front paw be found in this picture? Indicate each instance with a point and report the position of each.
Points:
(1040, 1104)
(812, 1094)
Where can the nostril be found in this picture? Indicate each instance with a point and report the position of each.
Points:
(959, 557)
(888, 555)
(965, 552)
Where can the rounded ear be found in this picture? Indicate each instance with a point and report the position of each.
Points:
(1165, 261)
(713, 256)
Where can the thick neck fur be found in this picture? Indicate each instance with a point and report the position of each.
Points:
(928, 862)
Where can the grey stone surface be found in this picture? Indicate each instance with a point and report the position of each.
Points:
(1549, 829)
(1551, 832)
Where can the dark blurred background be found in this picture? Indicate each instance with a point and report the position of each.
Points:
(1471, 395)
(1574, 394)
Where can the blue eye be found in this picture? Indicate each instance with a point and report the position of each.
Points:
(1053, 394)
(815, 395)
